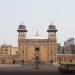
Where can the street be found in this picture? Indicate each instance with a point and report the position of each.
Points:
(8, 69)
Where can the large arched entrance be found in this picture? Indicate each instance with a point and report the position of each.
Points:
(37, 57)
(37, 50)
(37, 53)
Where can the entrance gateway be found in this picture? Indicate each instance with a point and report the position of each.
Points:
(29, 47)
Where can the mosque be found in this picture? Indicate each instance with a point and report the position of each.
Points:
(45, 50)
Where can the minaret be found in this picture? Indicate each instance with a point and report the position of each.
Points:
(52, 49)
(22, 42)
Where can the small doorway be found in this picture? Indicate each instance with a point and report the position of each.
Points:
(22, 61)
(51, 61)
(3, 61)
(14, 61)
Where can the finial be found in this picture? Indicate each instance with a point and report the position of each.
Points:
(51, 22)
(22, 22)
(37, 32)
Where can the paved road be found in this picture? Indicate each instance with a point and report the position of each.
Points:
(29, 70)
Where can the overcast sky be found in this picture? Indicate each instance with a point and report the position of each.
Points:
(36, 14)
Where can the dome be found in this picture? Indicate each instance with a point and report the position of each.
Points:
(22, 27)
(52, 27)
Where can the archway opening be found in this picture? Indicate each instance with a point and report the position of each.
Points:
(37, 54)
(36, 49)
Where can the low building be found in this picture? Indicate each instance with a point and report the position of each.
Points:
(69, 46)
(66, 58)
(8, 50)
(8, 54)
